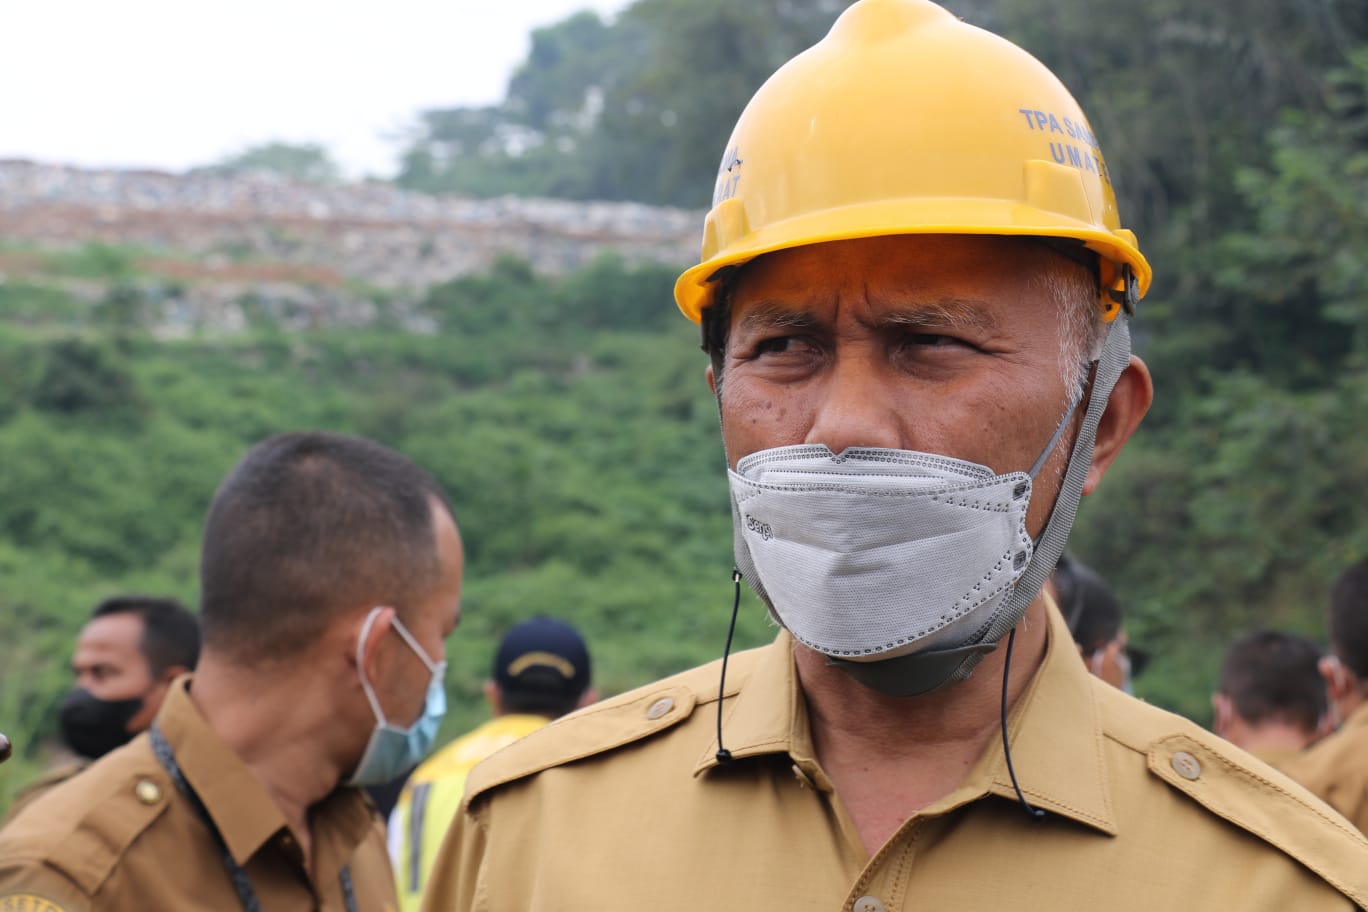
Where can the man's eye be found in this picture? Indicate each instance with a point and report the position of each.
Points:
(932, 340)
(779, 345)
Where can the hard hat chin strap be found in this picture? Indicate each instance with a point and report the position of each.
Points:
(921, 672)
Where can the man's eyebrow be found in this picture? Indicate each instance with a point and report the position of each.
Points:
(942, 313)
(772, 314)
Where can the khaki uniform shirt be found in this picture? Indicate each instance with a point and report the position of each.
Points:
(432, 797)
(121, 837)
(1336, 768)
(42, 785)
(623, 805)
(1277, 757)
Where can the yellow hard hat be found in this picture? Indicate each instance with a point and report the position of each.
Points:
(906, 120)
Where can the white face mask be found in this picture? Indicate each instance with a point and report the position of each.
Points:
(875, 553)
(905, 568)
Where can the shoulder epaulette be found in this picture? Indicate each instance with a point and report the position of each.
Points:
(1253, 796)
(82, 827)
(606, 726)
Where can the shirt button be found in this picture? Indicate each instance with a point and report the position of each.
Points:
(1186, 765)
(148, 792)
(868, 904)
(659, 708)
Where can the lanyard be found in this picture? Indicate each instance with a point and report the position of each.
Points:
(242, 884)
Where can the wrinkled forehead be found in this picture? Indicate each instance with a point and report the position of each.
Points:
(953, 279)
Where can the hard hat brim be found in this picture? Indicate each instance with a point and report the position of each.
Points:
(696, 287)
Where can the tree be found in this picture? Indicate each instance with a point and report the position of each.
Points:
(308, 162)
(86, 379)
(1298, 282)
(637, 110)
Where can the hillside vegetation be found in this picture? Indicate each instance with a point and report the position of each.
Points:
(568, 419)
(568, 416)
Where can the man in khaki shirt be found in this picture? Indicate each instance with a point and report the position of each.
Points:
(915, 293)
(1270, 699)
(330, 577)
(126, 657)
(1336, 768)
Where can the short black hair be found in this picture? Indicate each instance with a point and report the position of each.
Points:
(307, 525)
(1348, 619)
(1088, 604)
(1272, 675)
(171, 634)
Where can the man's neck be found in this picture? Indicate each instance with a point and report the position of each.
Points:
(1268, 737)
(1350, 702)
(272, 722)
(889, 757)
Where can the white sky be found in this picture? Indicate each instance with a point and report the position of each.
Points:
(176, 83)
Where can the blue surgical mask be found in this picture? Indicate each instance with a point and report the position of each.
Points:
(392, 751)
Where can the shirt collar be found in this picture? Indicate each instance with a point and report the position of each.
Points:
(1055, 731)
(239, 804)
(1057, 741)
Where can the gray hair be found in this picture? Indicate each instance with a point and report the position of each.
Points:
(1074, 291)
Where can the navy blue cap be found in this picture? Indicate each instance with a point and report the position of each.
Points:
(543, 656)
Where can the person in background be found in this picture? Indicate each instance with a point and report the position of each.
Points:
(915, 294)
(126, 657)
(1093, 614)
(541, 671)
(1270, 699)
(330, 577)
(1336, 767)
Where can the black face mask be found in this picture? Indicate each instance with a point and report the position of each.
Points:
(93, 727)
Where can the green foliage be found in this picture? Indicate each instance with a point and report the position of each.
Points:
(1239, 515)
(87, 379)
(1237, 137)
(1301, 277)
(584, 464)
(309, 162)
(639, 109)
(568, 417)
(27, 302)
(93, 260)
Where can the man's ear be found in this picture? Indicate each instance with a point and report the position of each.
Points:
(494, 697)
(154, 698)
(1222, 712)
(369, 630)
(1129, 400)
(712, 381)
(1338, 681)
(163, 684)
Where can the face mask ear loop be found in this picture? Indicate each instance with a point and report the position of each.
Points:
(1033, 812)
(412, 642)
(1049, 545)
(724, 755)
(1059, 432)
(361, 668)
